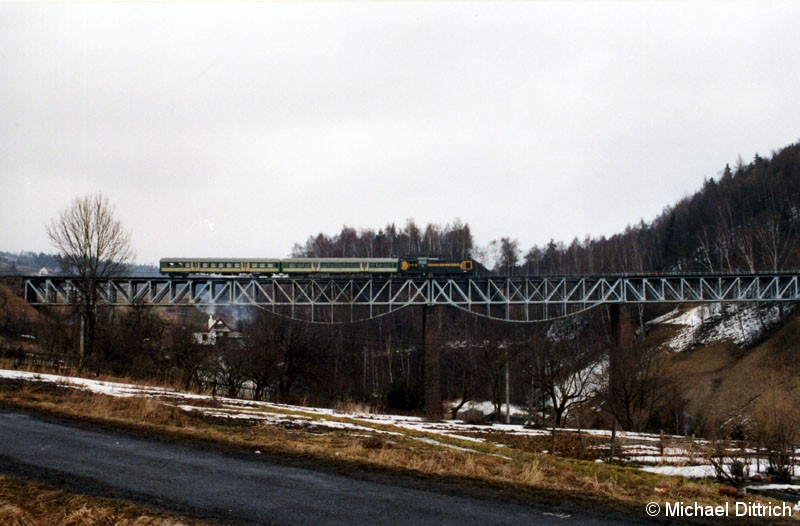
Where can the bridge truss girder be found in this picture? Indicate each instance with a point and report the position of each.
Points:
(522, 299)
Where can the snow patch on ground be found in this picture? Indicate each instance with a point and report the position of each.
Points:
(714, 323)
(701, 471)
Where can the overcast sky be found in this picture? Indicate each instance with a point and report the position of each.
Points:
(221, 129)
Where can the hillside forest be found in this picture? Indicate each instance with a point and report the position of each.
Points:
(745, 220)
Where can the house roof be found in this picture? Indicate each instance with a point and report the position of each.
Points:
(218, 324)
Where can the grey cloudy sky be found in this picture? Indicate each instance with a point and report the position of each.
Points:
(240, 129)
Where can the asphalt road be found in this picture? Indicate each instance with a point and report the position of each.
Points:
(238, 490)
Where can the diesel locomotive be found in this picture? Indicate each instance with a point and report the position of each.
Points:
(316, 266)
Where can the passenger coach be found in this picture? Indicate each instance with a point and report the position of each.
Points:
(186, 266)
(321, 266)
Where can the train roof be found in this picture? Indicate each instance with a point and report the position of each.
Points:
(223, 260)
(341, 260)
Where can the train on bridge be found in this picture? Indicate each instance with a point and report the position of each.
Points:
(426, 266)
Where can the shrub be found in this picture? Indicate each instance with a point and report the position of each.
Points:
(402, 397)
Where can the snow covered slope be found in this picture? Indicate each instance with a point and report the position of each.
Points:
(713, 323)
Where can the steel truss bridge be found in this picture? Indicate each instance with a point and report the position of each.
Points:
(346, 299)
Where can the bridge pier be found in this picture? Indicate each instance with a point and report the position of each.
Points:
(621, 353)
(431, 361)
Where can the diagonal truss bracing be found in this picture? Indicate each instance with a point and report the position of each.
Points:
(524, 299)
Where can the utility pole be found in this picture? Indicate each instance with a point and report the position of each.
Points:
(508, 389)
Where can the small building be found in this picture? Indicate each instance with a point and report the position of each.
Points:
(218, 329)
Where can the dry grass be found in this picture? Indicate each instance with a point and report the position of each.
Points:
(11, 515)
(718, 380)
(16, 309)
(26, 503)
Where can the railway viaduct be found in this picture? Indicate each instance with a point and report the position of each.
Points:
(523, 299)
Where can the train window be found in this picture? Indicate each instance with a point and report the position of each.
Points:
(237, 265)
(204, 265)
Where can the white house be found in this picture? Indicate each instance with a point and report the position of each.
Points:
(217, 329)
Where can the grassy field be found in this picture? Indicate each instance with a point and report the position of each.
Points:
(410, 456)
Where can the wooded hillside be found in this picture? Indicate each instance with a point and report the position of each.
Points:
(744, 221)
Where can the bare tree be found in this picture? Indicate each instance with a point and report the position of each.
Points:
(287, 355)
(565, 372)
(92, 245)
(776, 429)
(775, 239)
